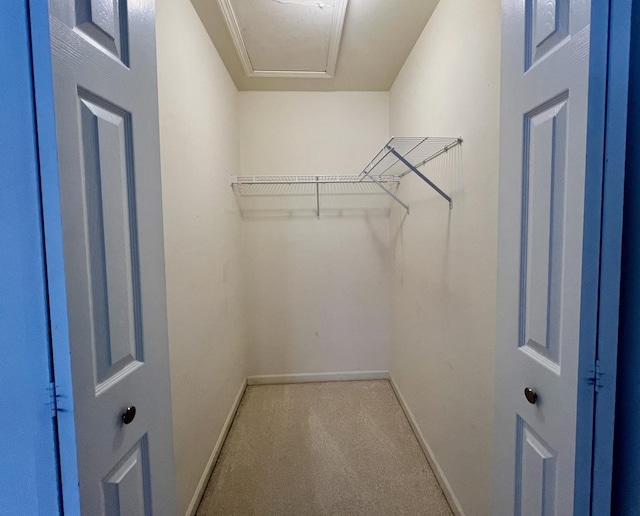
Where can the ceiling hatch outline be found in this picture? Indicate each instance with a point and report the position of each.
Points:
(337, 24)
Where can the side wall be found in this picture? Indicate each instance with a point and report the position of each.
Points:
(444, 262)
(318, 294)
(199, 150)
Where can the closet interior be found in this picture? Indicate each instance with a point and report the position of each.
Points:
(334, 232)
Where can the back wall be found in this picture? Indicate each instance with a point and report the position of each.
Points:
(317, 290)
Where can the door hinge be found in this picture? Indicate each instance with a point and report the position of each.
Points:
(595, 376)
(53, 399)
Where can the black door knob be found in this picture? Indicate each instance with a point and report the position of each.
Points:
(128, 415)
(531, 395)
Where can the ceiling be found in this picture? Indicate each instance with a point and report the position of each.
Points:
(292, 44)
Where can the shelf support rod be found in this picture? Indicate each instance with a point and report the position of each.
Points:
(318, 196)
(421, 175)
(389, 192)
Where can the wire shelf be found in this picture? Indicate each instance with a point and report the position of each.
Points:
(308, 188)
(292, 180)
(396, 159)
(412, 151)
(300, 196)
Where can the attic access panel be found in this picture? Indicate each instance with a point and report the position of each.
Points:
(286, 38)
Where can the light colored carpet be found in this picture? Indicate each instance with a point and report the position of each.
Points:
(343, 448)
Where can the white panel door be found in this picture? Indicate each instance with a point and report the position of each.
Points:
(545, 57)
(104, 66)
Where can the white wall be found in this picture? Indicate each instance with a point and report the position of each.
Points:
(199, 150)
(444, 262)
(318, 293)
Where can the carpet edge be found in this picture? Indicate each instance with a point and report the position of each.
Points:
(454, 503)
(208, 470)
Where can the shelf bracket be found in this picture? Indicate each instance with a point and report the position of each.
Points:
(318, 196)
(421, 175)
(389, 192)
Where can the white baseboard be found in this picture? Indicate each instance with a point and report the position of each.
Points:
(347, 376)
(322, 377)
(437, 470)
(204, 480)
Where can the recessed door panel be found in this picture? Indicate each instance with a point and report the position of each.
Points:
(111, 236)
(104, 22)
(126, 486)
(547, 26)
(536, 474)
(543, 230)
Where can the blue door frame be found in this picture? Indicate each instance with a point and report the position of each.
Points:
(606, 137)
(53, 245)
(34, 349)
(28, 431)
(38, 473)
(626, 480)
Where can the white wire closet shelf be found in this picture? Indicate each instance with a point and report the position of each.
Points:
(402, 155)
(290, 180)
(398, 157)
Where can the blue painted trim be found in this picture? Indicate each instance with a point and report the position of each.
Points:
(611, 252)
(626, 479)
(44, 95)
(591, 255)
(601, 255)
(28, 451)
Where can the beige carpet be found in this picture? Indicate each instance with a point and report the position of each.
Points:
(322, 449)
